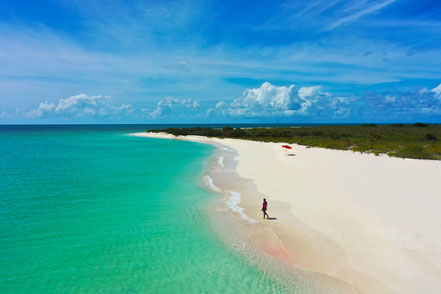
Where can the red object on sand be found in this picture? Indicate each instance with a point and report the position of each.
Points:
(286, 146)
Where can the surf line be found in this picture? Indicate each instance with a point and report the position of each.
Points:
(220, 161)
(232, 200)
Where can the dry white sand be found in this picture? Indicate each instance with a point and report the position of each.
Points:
(371, 221)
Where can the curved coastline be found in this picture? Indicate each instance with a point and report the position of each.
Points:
(302, 236)
(257, 241)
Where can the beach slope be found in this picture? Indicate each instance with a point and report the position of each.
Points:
(373, 222)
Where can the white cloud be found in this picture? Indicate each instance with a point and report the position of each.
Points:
(4, 114)
(270, 100)
(359, 9)
(423, 91)
(419, 101)
(221, 104)
(390, 98)
(126, 109)
(306, 92)
(263, 101)
(340, 106)
(80, 106)
(437, 91)
(169, 104)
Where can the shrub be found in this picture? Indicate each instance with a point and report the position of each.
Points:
(238, 133)
(430, 137)
(302, 134)
(402, 140)
(414, 151)
(317, 133)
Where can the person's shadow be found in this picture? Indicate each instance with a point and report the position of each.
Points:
(272, 218)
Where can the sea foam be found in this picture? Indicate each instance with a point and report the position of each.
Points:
(232, 199)
(220, 161)
(209, 182)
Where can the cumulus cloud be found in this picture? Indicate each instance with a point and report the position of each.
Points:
(437, 91)
(429, 102)
(340, 106)
(270, 100)
(266, 101)
(423, 91)
(169, 105)
(389, 98)
(421, 101)
(4, 114)
(80, 106)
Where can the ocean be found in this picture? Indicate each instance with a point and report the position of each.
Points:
(89, 209)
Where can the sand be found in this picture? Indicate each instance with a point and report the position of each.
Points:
(373, 222)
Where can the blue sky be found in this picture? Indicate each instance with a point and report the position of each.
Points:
(196, 61)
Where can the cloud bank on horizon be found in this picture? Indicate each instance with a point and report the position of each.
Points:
(258, 103)
(220, 61)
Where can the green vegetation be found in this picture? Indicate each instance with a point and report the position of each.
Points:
(420, 141)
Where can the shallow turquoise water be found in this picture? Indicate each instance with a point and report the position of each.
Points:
(102, 212)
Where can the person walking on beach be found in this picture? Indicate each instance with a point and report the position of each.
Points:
(264, 208)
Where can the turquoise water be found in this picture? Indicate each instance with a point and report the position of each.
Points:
(92, 210)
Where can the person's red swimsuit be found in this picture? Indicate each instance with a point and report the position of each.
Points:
(264, 205)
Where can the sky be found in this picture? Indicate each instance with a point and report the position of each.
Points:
(191, 61)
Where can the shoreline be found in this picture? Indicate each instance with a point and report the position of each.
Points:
(358, 218)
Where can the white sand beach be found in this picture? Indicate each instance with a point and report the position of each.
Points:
(373, 222)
